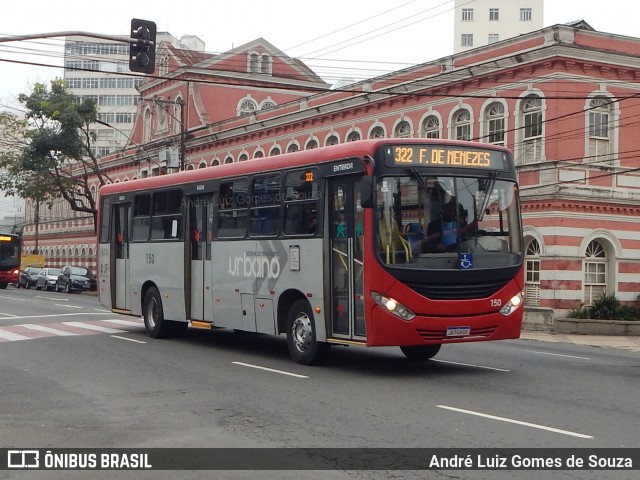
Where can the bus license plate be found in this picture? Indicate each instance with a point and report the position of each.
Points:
(458, 331)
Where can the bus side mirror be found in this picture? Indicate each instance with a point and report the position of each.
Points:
(366, 192)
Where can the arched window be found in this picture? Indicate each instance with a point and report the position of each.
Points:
(431, 127)
(229, 159)
(163, 65)
(215, 162)
(246, 106)
(402, 130)
(243, 157)
(202, 165)
(595, 272)
(531, 113)
(177, 114)
(353, 136)
(332, 140)
(146, 125)
(266, 105)
(462, 125)
(494, 122)
(532, 280)
(254, 63)
(258, 154)
(265, 65)
(161, 115)
(599, 130)
(311, 144)
(293, 148)
(377, 132)
(274, 151)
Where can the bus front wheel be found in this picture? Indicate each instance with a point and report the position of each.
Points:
(154, 322)
(419, 353)
(301, 335)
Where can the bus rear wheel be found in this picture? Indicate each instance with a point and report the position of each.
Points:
(420, 353)
(301, 335)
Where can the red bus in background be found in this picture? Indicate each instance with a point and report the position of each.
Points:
(413, 243)
(9, 259)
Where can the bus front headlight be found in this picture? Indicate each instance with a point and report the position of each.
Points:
(513, 304)
(393, 306)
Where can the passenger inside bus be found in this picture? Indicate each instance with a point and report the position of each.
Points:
(313, 225)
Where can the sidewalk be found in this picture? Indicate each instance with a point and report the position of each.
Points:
(629, 343)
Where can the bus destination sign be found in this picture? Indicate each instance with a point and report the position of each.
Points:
(444, 156)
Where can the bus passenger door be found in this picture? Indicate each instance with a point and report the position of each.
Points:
(120, 239)
(200, 223)
(345, 223)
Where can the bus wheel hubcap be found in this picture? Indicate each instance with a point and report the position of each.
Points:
(302, 332)
(152, 312)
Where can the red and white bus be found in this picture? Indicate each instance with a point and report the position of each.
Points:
(405, 242)
(9, 259)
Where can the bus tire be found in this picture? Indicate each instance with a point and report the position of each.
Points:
(153, 313)
(420, 353)
(3, 285)
(301, 335)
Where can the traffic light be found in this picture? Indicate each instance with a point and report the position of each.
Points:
(142, 47)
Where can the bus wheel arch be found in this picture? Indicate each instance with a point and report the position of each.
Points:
(153, 314)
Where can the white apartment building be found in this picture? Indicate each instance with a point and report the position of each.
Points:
(482, 22)
(99, 69)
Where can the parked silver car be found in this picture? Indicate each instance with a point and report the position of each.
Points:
(47, 278)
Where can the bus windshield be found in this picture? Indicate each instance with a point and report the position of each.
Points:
(428, 221)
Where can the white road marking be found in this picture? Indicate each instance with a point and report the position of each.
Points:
(13, 336)
(517, 422)
(9, 297)
(42, 328)
(8, 314)
(68, 306)
(128, 339)
(558, 355)
(97, 328)
(470, 365)
(59, 299)
(270, 370)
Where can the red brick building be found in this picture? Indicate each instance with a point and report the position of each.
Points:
(565, 99)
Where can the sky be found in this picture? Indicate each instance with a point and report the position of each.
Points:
(338, 39)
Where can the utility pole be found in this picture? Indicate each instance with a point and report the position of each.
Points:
(183, 142)
(183, 130)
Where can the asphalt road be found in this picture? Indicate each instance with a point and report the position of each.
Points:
(103, 383)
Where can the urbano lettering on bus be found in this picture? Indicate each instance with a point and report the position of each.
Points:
(254, 264)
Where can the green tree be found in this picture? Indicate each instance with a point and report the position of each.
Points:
(54, 157)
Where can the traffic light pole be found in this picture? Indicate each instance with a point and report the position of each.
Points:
(35, 36)
(142, 43)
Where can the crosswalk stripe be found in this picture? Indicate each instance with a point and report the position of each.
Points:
(42, 328)
(124, 322)
(96, 328)
(12, 336)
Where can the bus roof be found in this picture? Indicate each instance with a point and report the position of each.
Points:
(279, 162)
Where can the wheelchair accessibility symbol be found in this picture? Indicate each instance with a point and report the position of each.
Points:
(465, 261)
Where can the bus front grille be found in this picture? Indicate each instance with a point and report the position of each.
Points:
(457, 292)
